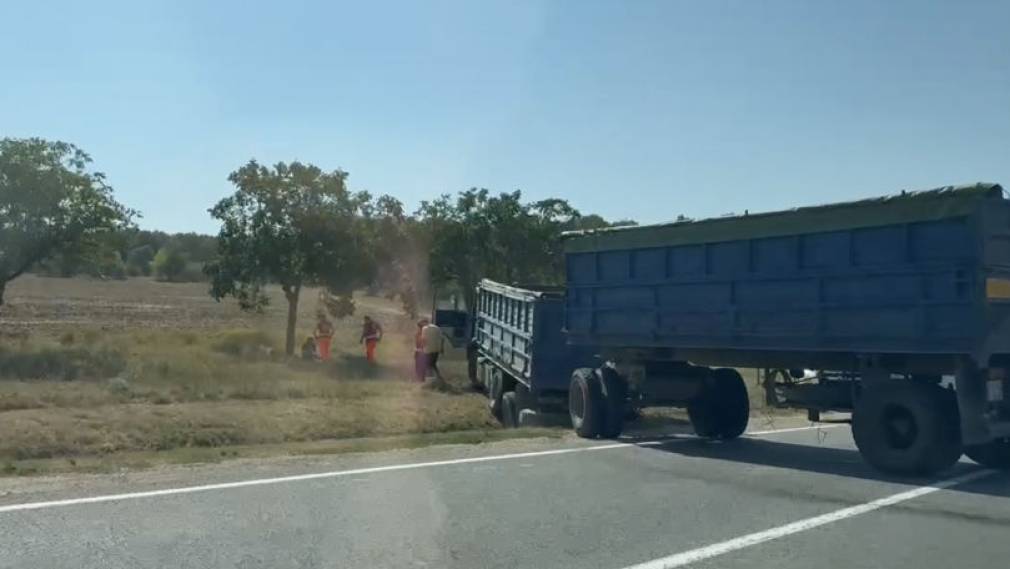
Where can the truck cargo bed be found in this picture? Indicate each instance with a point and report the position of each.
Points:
(519, 330)
(916, 273)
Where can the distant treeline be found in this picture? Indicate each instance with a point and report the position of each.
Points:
(292, 225)
(177, 257)
(465, 237)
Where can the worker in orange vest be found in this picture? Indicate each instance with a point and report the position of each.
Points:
(371, 334)
(323, 335)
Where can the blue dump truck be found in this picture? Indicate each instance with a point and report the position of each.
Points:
(901, 302)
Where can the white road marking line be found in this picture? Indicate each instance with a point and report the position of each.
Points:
(752, 539)
(298, 478)
(795, 429)
(321, 475)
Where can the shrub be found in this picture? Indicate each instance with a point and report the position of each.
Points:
(246, 343)
(65, 364)
(169, 264)
(193, 273)
(106, 265)
(139, 259)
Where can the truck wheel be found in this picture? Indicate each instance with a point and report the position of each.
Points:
(495, 391)
(585, 403)
(907, 428)
(524, 397)
(615, 395)
(994, 454)
(509, 410)
(722, 410)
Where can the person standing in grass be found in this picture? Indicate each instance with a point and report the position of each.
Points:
(323, 335)
(371, 334)
(428, 346)
(420, 359)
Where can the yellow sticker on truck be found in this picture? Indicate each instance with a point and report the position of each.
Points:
(997, 289)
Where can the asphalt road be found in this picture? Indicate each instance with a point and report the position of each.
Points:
(796, 499)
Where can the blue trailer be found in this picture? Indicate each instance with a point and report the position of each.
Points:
(518, 352)
(887, 296)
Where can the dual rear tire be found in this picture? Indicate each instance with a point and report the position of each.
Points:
(907, 428)
(597, 401)
(722, 410)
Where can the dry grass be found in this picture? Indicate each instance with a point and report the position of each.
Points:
(54, 306)
(93, 373)
(92, 369)
(116, 462)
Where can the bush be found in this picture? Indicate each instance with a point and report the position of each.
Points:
(107, 266)
(246, 343)
(139, 259)
(193, 273)
(65, 364)
(169, 264)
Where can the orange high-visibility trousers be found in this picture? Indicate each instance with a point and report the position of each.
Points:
(323, 347)
(370, 345)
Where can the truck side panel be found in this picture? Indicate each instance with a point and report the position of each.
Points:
(520, 331)
(908, 287)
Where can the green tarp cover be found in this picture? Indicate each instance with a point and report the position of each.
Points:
(907, 207)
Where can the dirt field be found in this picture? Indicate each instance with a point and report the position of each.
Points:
(95, 368)
(38, 305)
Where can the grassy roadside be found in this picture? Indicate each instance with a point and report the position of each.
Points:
(102, 373)
(101, 376)
(137, 460)
(171, 392)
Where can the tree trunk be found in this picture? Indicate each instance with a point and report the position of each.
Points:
(291, 293)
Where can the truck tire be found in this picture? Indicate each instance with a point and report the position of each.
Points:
(907, 428)
(994, 454)
(509, 410)
(722, 410)
(615, 396)
(585, 403)
(495, 391)
(525, 398)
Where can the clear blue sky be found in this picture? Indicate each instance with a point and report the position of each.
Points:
(633, 109)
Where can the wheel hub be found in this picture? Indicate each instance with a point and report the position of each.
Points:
(899, 427)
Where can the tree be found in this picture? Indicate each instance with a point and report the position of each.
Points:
(396, 254)
(50, 203)
(294, 225)
(139, 259)
(479, 235)
(169, 263)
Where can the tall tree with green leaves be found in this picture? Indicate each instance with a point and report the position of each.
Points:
(294, 225)
(51, 202)
(398, 256)
(479, 235)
